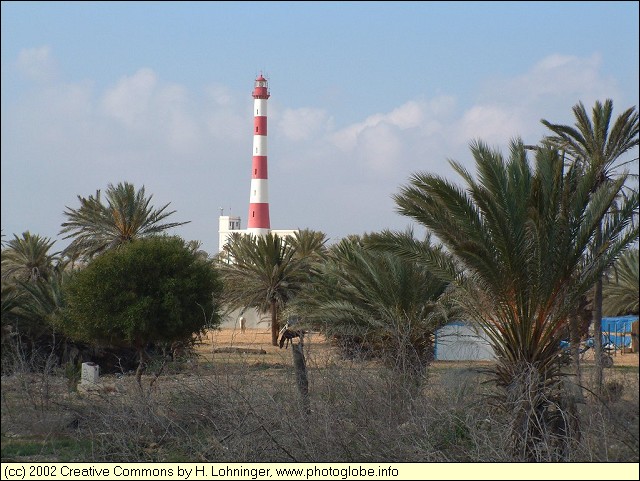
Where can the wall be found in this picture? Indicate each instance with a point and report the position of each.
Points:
(458, 341)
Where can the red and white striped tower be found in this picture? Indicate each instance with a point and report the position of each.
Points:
(258, 223)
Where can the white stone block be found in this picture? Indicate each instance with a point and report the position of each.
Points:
(90, 373)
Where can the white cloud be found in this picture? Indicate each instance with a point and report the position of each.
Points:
(220, 95)
(562, 76)
(491, 123)
(303, 123)
(380, 148)
(511, 107)
(392, 142)
(346, 139)
(37, 63)
(421, 115)
(174, 116)
(425, 132)
(159, 114)
(227, 124)
(129, 101)
(442, 106)
(407, 116)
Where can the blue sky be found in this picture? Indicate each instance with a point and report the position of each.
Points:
(363, 94)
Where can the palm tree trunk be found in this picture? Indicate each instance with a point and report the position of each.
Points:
(597, 323)
(297, 350)
(275, 328)
(574, 328)
(598, 378)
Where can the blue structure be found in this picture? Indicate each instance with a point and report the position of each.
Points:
(617, 330)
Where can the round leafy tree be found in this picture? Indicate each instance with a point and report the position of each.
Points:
(154, 290)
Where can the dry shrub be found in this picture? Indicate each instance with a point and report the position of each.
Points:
(248, 411)
(611, 427)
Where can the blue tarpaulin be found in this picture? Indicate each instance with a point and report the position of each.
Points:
(617, 330)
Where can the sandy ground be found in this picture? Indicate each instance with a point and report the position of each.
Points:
(257, 343)
(254, 338)
(619, 358)
(261, 339)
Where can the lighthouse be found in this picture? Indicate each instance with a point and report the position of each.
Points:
(258, 222)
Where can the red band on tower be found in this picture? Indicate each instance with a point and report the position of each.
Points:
(260, 125)
(259, 170)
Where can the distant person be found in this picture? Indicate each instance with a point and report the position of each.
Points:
(243, 324)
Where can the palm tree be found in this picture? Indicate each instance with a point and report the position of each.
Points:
(371, 299)
(522, 237)
(45, 298)
(10, 298)
(308, 243)
(128, 215)
(262, 272)
(195, 247)
(592, 143)
(38, 311)
(621, 286)
(30, 290)
(28, 258)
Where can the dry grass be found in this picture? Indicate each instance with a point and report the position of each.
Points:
(234, 407)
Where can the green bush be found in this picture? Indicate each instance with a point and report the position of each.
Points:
(150, 291)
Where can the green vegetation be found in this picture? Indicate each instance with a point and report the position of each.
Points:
(154, 290)
(266, 272)
(96, 227)
(523, 237)
(374, 302)
(594, 147)
(28, 258)
(621, 287)
(40, 450)
(31, 280)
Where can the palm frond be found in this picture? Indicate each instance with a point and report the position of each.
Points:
(127, 215)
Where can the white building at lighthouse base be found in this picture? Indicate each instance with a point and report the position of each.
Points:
(228, 225)
(254, 320)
